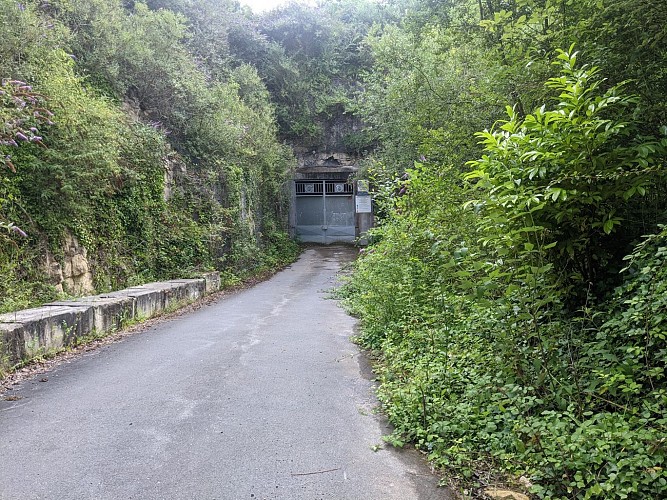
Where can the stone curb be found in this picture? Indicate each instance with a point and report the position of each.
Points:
(27, 334)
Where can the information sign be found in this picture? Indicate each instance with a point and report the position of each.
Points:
(363, 204)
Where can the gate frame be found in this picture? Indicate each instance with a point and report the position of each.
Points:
(323, 196)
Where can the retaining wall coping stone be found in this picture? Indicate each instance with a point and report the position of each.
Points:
(39, 313)
(213, 282)
(41, 330)
(30, 332)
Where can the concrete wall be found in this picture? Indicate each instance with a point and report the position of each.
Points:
(27, 334)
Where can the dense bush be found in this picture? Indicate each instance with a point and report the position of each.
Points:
(101, 100)
(500, 348)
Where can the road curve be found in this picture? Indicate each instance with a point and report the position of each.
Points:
(260, 395)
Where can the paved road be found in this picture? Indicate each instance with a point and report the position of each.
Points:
(258, 396)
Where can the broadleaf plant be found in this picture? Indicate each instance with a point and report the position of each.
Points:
(564, 174)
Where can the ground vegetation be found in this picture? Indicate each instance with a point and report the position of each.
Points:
(512, 289)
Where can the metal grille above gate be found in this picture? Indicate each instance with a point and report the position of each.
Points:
(317, 188)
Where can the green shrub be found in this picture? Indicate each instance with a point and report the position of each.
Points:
(489, 359)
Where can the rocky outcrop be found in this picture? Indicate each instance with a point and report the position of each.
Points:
(72, 274)
(337, 165)
(174, 170)
(325, 159)
(504, 494)
(77, 277)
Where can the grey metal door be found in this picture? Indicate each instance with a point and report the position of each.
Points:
(325, 211)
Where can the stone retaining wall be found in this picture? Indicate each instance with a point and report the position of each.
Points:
(27, 334)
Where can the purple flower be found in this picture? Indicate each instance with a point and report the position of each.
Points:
(422, 158)
(21, 136)
(35, 138)
(20, 6)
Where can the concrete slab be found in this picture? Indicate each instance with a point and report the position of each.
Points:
(213, 282)
(148, 301)
(109, 313)
(186, 290)
(11, 339)
(43, 329)
(153, 298)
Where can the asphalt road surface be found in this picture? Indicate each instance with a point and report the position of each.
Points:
(259, 395)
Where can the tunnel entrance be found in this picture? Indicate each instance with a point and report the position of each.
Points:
(325, 211)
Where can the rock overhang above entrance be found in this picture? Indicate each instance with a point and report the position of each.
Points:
(327, 160)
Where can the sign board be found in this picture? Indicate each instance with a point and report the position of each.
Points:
(362, 186)
(363, 204)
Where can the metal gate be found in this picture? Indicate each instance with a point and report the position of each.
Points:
(325, 211)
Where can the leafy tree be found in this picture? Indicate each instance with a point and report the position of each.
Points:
(427, 96)
(209, 23)
(310, 59)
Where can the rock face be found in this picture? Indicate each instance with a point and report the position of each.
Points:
(77, 278)
(54, 271)
(325, 159)
(73, 275)
(174, 170)
(339, 130)
(501, 494)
